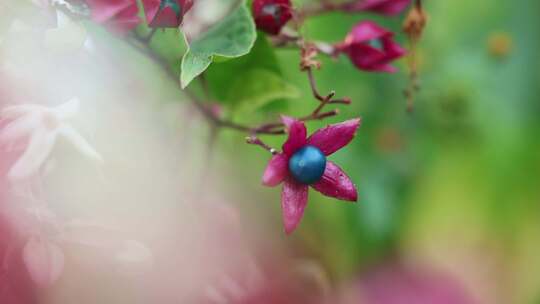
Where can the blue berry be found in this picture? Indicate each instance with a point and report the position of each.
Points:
(307, 165)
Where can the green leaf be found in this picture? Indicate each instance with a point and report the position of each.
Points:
(232, 37)
(169, 45)
(223, 74)
(250, 73)
(257, 88)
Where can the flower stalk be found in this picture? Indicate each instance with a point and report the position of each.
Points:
(413, 27)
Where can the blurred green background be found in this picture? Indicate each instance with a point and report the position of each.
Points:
(457, 182)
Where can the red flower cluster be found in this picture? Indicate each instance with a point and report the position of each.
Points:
(369, 46)
(123, 15)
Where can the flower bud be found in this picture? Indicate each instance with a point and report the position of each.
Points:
(271, 15)
(166, 13)
(371, 47)
(415, 23)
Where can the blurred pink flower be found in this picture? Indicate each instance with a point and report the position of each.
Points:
(27, 234)
(283, 281)
(44, 261)
(371, 47)
(16, 286)
(42, 126)
(332, 181)
(385, 7)
(119, 15)
(398, 284)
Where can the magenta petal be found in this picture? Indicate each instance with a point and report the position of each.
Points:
(358, 45)
(297, 135)
(293, 202)
(276, 171)
(151, 8)
(385, 7)
(386, 68)
(334, 137)
(392, 49)
(287, 121)
(365, 31)
(335, 183)
(366, 57)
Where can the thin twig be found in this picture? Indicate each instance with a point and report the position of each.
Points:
(320, 116)
(254, 140)
(313, 85)
(324, 100)
(413, 27)
(143, 47)
(272, 128)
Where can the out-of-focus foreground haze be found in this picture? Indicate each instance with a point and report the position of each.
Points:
(135, 203)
